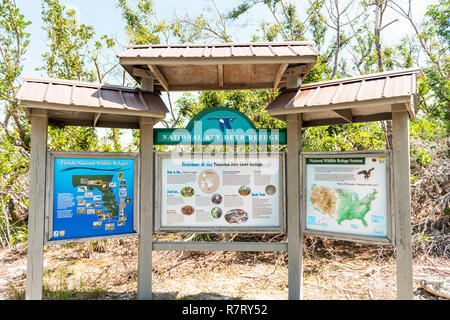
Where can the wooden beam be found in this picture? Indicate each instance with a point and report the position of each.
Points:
(146, 210)
(216, 60)
(356, 119)
(142, 73)
(162, 80)
(373, 104)
(293, 81)
(402, 204)
(96, 116)
(148, 84)
(36, 213)
(219, 246)
(100, 124)
(301, 69)
(399, 107)
(234, 86)
(220, 75)
(345, 114)
(295, 239)
(91, 109)
(280, 73)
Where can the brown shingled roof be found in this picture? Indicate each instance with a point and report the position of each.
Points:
(223, 66)
(221, 50)
(83, 103)
(356, 99)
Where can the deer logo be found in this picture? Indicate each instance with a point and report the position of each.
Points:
(224, 123)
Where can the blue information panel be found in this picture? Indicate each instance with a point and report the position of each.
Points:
(92, 197)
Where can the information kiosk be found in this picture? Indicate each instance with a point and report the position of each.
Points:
(359, 196)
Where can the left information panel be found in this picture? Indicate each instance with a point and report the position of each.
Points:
(91, 196)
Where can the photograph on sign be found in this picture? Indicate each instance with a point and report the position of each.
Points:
(91, 195)
(347, 194)
(220, 192)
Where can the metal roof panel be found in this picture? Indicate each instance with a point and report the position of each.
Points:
(373, 92)
(102, 98)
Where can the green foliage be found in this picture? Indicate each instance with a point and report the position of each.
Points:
(349, 137)
(436, 37)
(14, 132)
(14, 41)
(71, 49)
(425, 130)
(287, 25)
(67, 43)
(139, 25)
(250, 102)
(72, 139)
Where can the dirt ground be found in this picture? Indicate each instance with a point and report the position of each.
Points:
(104, 270)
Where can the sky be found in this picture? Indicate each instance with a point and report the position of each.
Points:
(106, 18)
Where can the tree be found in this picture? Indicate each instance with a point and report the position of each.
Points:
(14, 41)
(286, 25)
(434, 39)
(335, 21)
(73, 54)
(143, 27)
(202, 27)
(14, 132)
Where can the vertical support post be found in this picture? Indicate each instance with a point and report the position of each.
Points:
(148, 84)
(36, 215)
(402, 204)
(146, 210)
(293, 81)
(295, 240)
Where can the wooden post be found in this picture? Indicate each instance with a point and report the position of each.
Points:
(146, 210)
(295, 240)
(402, 204)
(36, 215)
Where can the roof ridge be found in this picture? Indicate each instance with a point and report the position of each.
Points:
(80, 83)
(371, 76)
(223, 44)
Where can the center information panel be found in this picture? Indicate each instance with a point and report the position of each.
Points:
(220, 192)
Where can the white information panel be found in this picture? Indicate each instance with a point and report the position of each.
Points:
(348, 194)
(220, 192)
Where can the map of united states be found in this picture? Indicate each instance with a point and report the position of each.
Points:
(341, 204)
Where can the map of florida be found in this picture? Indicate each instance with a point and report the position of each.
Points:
(341, 204)
(109, 201)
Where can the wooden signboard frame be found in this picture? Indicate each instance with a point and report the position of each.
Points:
(51, 155)
(390, 228)
(281, 228)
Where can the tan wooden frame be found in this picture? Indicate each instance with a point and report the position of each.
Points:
(159, 156)
(390, 226)
(51, 155)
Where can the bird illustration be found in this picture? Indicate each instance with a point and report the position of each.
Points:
(366, 173)
(223, 122)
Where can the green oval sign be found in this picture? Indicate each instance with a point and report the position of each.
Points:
(219, 126)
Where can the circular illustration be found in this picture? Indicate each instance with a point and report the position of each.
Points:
(187, 210)
(208, 181)
(187, 192)
(236, 216)
(270, 189)
(216, 212)
(244, 190)
(216, 198)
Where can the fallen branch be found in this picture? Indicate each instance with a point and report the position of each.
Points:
(440, 288)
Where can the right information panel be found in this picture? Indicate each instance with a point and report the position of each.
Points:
(347, 194)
